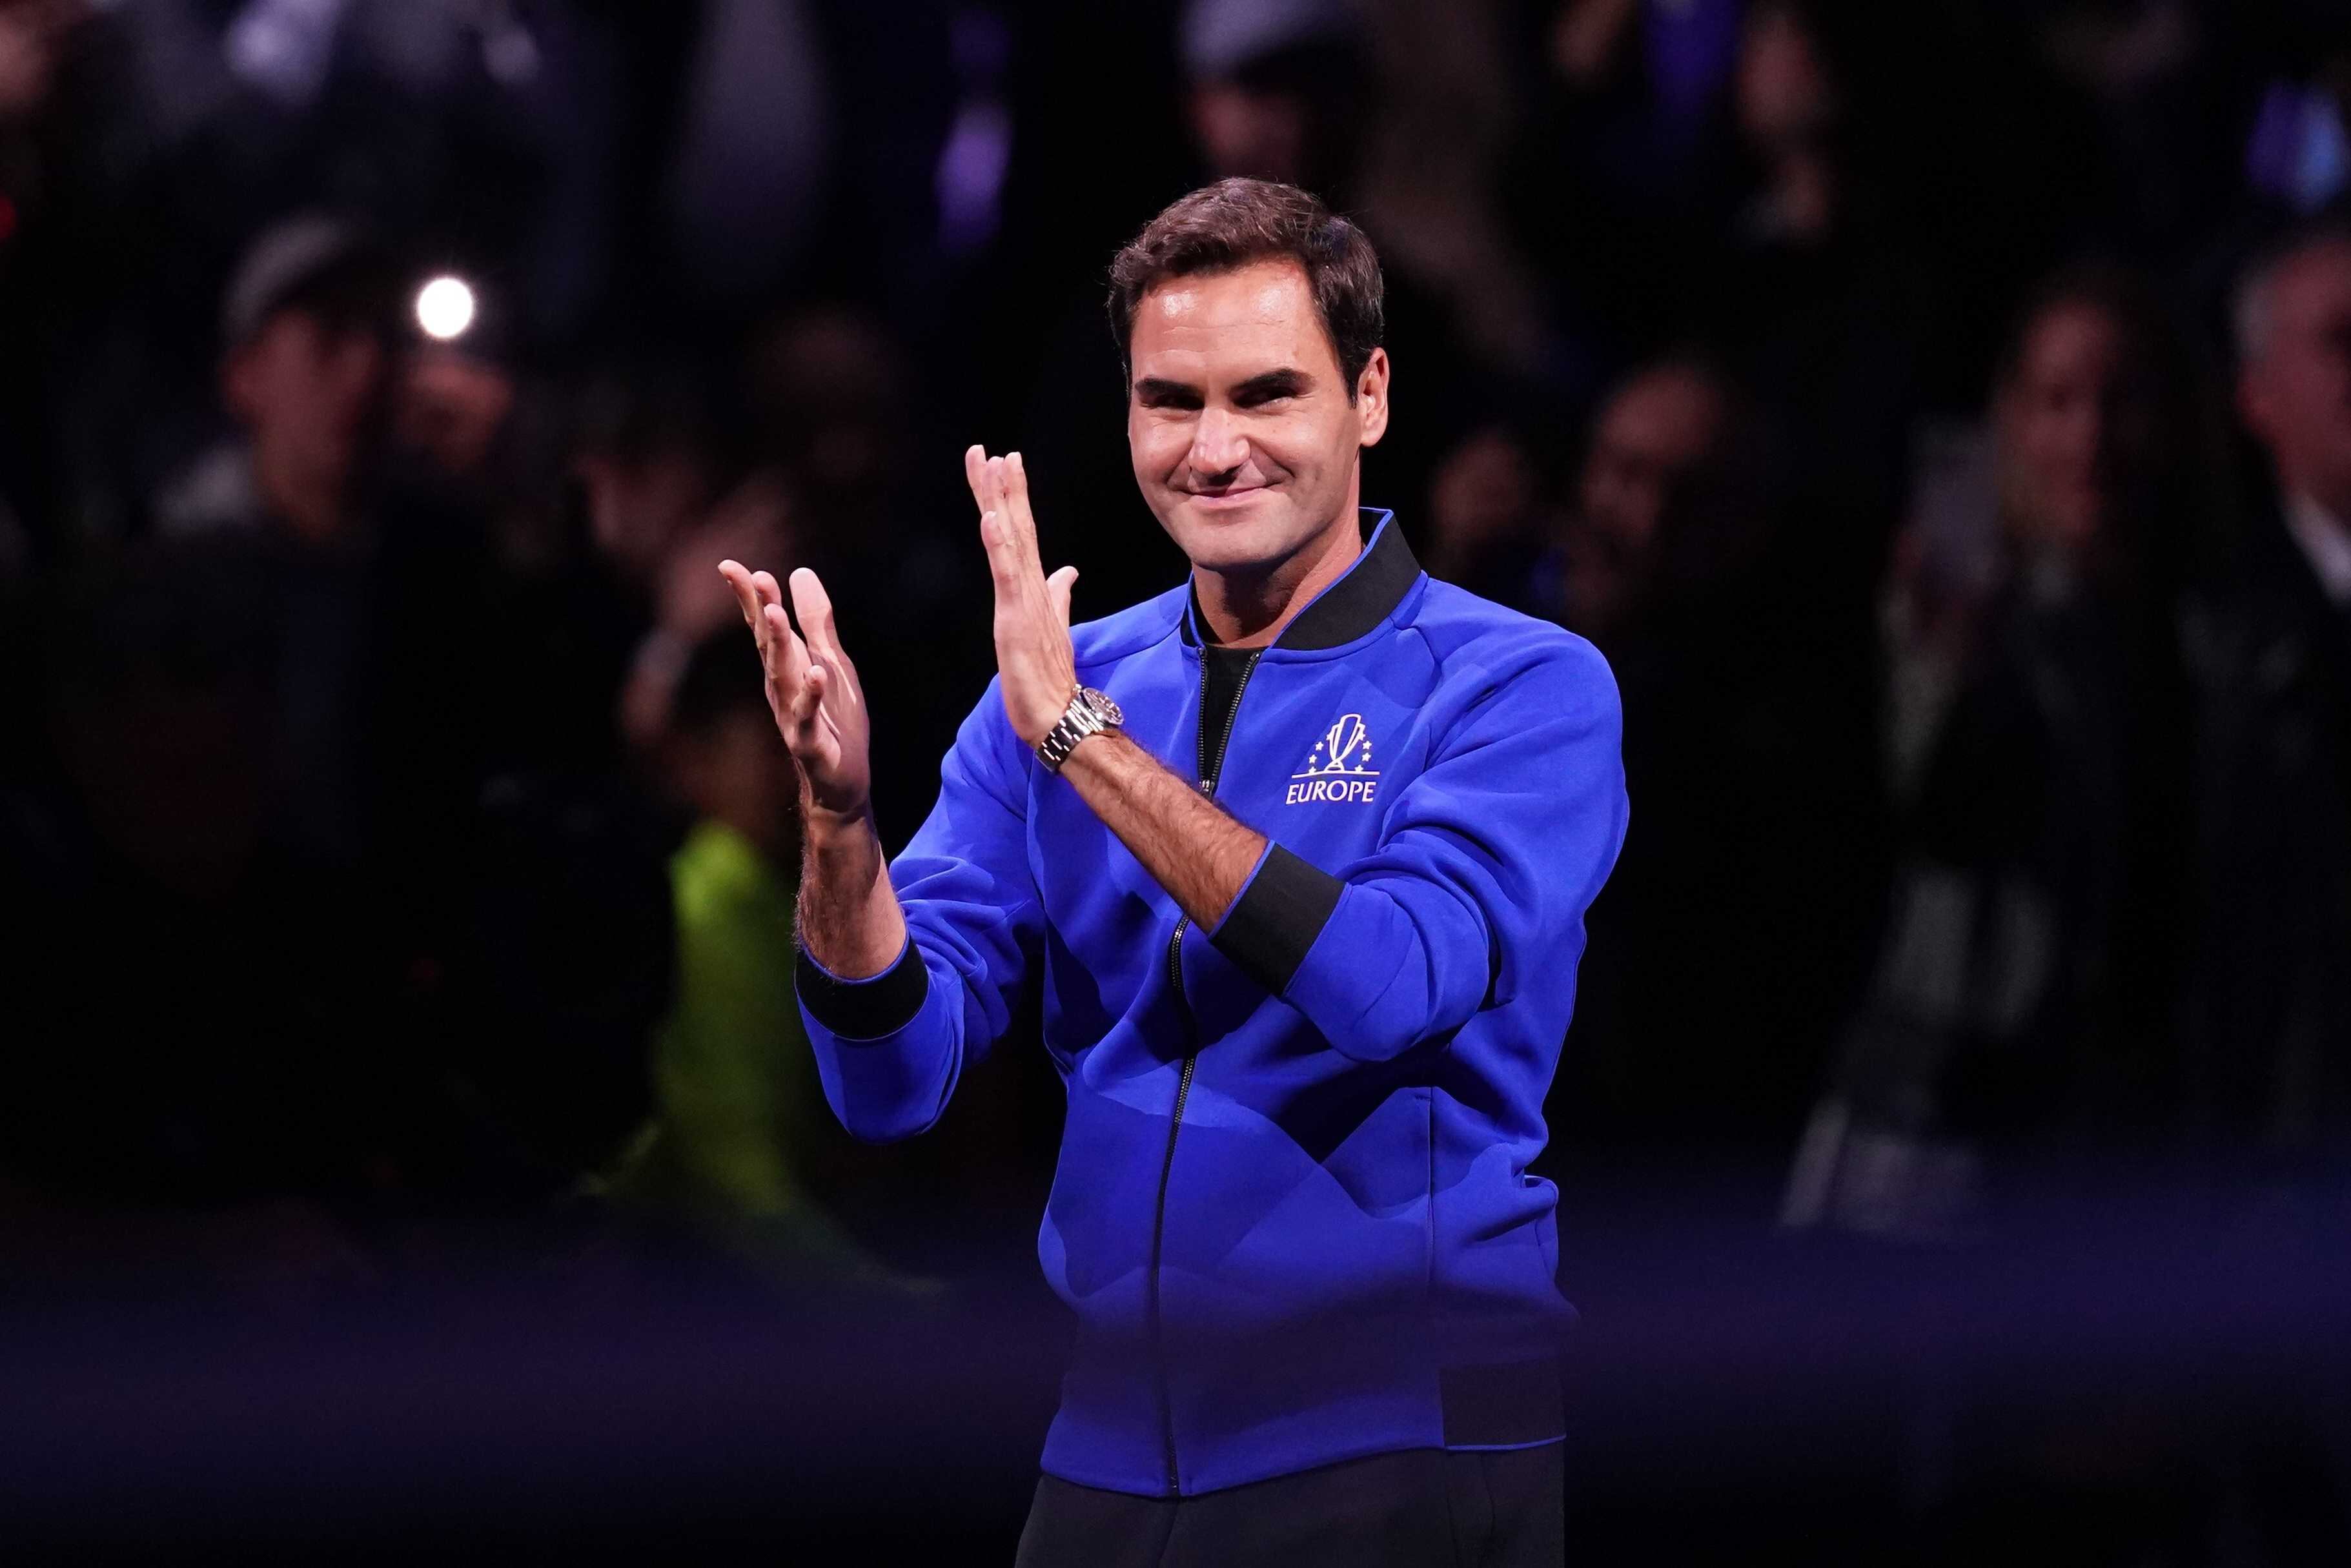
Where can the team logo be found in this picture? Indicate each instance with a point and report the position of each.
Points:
(1340, 766)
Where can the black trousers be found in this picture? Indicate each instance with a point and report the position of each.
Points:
(1454, 1508)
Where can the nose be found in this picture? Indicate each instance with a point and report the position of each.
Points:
(1218, 446)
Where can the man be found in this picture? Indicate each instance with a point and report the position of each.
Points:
(2270, 1018)
(1298, 853)
(305, 324)
(367, 591)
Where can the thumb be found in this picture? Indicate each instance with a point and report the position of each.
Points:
(1059, 586)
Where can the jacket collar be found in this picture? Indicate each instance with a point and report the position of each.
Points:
(1361, 597)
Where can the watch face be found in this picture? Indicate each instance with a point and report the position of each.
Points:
(1107, 708)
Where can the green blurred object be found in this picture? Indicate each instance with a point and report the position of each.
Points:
(739, 1113)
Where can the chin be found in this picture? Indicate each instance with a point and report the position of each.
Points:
(1233, 539)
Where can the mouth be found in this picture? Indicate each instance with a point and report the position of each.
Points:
(1226, 500)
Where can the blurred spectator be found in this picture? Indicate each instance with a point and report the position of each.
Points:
(2270, 1026)
(2020, 1021)
(1485, 528)
(663, 481)
(1276, 90)
(1822, 298)
(304, 325)
(454, 391)
(1653, 501)
(1726, 941)
(371, 599)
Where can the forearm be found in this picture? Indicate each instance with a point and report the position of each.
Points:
(1200, 855)
(849, 920)
(1392, 992)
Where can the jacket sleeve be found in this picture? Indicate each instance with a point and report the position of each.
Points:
(1487, 861)
(890, 1049)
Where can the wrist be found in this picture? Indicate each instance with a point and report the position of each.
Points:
(830, 833)
(1093, 753)
(1035, 725)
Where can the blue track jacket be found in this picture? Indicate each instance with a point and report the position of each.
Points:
(1291, 1212)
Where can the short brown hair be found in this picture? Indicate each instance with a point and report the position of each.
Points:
(1233, 223)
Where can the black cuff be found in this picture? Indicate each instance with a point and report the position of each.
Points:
(867, 1008)
(1277, 917)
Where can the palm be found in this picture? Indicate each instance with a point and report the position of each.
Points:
(812, 688)
(1034, 664)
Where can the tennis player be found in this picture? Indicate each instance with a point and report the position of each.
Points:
(1299, 852)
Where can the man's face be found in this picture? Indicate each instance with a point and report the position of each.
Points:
(1650, 436)
(306, 388)
(1244, 440)
(2296, 395)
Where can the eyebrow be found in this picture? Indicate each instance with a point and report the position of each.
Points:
(1287, 381)
(1283, 382)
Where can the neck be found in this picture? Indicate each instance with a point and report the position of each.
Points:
(1249, 609)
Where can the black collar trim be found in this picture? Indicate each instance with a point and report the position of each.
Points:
(1366, 594)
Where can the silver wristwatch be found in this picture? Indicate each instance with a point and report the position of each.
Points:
(1090, 712)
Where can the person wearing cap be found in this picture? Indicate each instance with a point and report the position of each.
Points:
(368, 592)
(305, 335)
(1298, 852)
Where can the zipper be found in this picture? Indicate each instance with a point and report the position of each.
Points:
(1211, 764)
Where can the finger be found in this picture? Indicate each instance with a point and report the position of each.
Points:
(738, 578)
(813, 606)
(974, 474)
(764, 584)
(1016, 503)
(1003, 558)
(789, 667)
(1059, 586)
(808, 702)
(1020, 555)
(807, 731)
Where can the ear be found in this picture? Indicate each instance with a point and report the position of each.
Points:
(1372, 397)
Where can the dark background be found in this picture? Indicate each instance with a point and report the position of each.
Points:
(1937, 412)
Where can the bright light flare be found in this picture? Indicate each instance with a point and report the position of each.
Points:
(444, 307)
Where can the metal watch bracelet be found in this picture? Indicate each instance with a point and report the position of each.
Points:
(1090, 712)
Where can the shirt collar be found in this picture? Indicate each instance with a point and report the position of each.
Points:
(1359, 599)
(2325, 542)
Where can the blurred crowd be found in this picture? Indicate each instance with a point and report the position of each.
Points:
(1938, 413)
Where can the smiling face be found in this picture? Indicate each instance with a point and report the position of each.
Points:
(1244, 439)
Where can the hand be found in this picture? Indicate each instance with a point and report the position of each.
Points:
(812, 690)
(1033, 658)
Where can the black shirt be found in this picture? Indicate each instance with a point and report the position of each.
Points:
(1222, 671)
